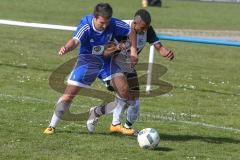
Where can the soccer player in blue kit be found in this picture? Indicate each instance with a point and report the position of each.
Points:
(93, 33)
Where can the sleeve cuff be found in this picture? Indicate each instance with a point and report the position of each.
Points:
(158, 41)
(76, 38)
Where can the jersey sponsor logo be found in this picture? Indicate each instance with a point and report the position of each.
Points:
(98, 50)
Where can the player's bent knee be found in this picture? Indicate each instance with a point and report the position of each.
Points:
(123, 92)
(67, 98)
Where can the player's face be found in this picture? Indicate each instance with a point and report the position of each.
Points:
(140, 27)
(101, 23)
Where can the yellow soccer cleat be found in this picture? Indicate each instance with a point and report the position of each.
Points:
(50, 130)
(122, 130)
(116, 128)
(128, 131)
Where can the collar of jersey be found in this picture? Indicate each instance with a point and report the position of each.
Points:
(95, 28)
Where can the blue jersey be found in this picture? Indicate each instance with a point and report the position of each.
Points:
(93, 41)
(91, 61)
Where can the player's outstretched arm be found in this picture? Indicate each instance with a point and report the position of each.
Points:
(164, 51)
(69, 46)
(133, 41)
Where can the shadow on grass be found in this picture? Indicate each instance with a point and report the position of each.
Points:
(163, 149)
(83, 132)
(133, 138)
(208, 139)
(116, 135)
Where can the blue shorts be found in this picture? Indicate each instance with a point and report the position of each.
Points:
(109, 70)
(89, 67)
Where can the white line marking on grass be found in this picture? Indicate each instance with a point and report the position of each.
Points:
(34, 100)
(198, 124)
(37, 25)
(23, 98)
(210, 126)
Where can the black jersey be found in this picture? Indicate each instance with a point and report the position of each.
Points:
(122, 58)
(148, 37)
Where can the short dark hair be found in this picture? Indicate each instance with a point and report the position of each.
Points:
(144, 15)
(103, 10)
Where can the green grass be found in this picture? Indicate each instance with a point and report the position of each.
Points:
(205, 80)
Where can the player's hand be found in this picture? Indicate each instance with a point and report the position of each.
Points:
(134, 60)
(167, 53)
(62, 51)
(112, 47)
(121, 46)
(170, 55)
(109, 49)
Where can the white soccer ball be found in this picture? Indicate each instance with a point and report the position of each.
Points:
(148, 138)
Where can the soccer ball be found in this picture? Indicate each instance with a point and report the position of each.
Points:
(148, 138)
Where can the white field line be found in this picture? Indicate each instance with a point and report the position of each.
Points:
(42, 101)
(37, 25)
(193, 123)
(210, 126)
(33, 100)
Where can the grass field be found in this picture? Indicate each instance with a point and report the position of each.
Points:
(197, 119)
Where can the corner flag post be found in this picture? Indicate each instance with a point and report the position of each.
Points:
(150, 67)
